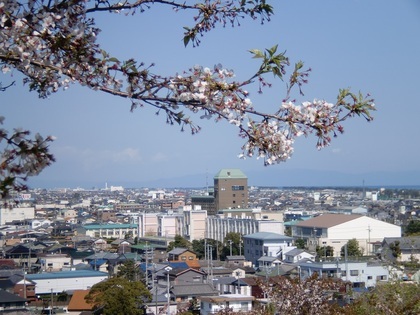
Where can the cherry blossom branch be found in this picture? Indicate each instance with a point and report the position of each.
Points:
(55, 45)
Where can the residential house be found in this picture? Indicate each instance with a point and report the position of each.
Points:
(233, 302)
(25, 288)
(122, 245)
(403, 249)
(266, 244)
(12, 304)
(297, 254)
(53, 262)
(336, 230)
(186, 292)
(181, 254)
(78, 303)
(186, 276)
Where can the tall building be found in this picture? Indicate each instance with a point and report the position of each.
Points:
(230, 189)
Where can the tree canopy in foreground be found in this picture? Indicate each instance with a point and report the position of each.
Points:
(54, 44)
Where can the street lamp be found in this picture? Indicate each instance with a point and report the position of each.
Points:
(168, 310)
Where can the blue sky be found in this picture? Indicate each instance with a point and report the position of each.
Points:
(372, 46)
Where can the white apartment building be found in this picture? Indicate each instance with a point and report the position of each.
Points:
(361, 274)
(336, 230)
(218, 227)
(264, 243)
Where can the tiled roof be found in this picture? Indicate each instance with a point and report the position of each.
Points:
(178, 251)
(193, 290)
(405, 243)
(78, 303)
(328, 220)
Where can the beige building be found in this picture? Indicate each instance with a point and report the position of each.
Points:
(194, 223)
(230, 189)
(54, 262)
(8, 215)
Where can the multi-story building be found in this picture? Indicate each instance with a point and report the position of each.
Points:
(8, 215)
(266, 244)
(336, 230)
(160, 224)
(111, 230)
(218, 227)
(194, 222)
(230, 189)
(206, 202)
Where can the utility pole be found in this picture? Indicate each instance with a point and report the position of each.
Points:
(369, 251)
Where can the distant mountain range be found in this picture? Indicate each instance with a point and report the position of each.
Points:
(263, 177)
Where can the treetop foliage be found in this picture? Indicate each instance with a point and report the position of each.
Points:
(54, 44)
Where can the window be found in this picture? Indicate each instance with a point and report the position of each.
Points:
(237, 187)
(380, 277)
(233, 195)
(354, 273)
(196, 279)
(369, 277)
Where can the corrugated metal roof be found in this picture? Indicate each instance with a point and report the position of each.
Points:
(67, 274)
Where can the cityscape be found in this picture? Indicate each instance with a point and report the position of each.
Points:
(206, 244)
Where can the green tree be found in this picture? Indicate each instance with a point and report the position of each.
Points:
(353, 248)
(130, 270)
(55, 43)
(392, 298)
(118, 296)
(232, 242)
(395, 249)
(324, 251)
(300, 243)
(179, 241)
(198, 246)
(412, 228)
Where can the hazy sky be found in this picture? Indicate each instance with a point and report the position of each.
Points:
(372, 46)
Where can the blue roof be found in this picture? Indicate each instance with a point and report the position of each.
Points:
(67, 274)
(109, 226)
